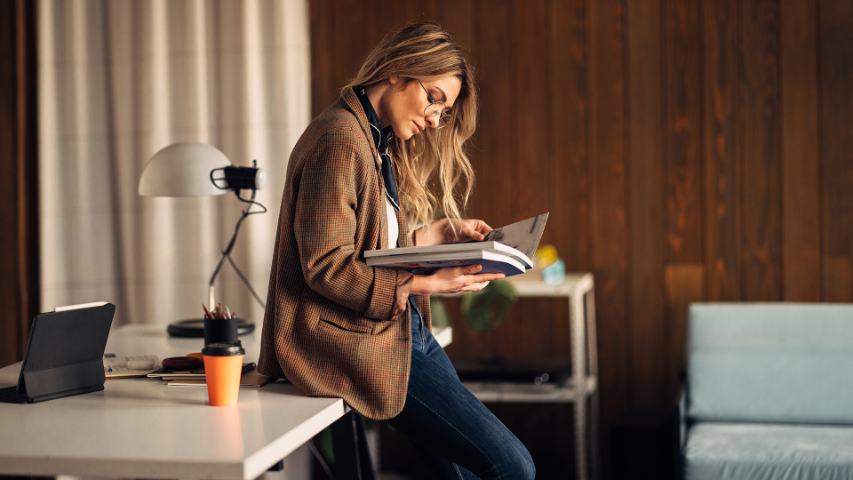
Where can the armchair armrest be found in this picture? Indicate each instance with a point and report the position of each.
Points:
(681, 423)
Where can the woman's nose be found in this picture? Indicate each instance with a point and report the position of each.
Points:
(432, 121)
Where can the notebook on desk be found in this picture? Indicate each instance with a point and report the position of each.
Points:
(64, 354)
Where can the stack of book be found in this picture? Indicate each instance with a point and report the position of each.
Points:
(196, 378)
(509, 250)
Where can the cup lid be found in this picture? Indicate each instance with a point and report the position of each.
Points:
(223, 349)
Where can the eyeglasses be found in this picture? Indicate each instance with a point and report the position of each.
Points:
(435, 110)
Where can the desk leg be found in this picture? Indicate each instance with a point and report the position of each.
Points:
(352, 460)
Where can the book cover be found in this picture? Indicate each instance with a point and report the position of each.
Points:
(492, 262)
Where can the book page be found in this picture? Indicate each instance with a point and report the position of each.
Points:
(523, 235)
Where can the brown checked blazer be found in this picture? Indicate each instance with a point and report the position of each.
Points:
(328, 325)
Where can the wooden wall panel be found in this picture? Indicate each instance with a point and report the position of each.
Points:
(8, 169)
(836, 89)
(645, 177)
(530, 180)
(687, 151)
(531, 186)
(497, 125)
(567, 127)
(761, 162)
(801, 232)
(682, 96)
(682, 169)
(348, 55)
(723, 184)
(608, 222)
(608, 189)
(458, 18)
(323, 78)
(19, 267)
(411, 11)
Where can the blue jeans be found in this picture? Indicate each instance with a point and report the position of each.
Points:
(445, 419)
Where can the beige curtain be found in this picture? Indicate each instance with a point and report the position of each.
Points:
(120, 79)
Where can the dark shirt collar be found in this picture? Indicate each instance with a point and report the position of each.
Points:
(381, 136)
(382, 139)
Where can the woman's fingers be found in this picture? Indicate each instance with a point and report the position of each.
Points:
(471, 269)
(483, 227)
(464, 279)
(475, 283)
(485, 277)
(474, 287)
(475, 229)
(468, 232)
(465, 231)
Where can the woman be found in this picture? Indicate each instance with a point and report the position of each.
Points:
(360, 178)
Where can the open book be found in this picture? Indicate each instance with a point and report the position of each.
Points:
(508, 250)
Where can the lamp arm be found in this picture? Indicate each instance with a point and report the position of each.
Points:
(226, 251)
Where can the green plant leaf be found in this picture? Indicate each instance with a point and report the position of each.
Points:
(438, 310)
(487, 309)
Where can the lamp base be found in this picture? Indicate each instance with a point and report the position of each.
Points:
(194, 328)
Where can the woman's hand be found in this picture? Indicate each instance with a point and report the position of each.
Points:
(453, 280)
(440, 232)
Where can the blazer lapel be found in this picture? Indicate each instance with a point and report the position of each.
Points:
(350, 101)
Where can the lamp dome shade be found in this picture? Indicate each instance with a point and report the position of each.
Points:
(182, 170)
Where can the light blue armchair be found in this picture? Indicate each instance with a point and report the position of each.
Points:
(769, 392)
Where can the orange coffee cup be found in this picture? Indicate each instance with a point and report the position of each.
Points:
(223, 364)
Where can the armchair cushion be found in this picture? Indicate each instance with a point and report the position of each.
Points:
(729, 451)
(783, 362)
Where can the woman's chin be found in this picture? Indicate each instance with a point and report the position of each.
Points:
(405, 132)
(401, 133)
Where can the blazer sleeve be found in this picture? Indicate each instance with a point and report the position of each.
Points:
(325, 226)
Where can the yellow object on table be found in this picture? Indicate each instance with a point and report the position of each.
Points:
(545, 255)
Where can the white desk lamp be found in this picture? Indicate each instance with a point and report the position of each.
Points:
(199, 169)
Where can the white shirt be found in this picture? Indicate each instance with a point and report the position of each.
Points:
(393, 228)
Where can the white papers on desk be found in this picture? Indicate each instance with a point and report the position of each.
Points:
(116, 366)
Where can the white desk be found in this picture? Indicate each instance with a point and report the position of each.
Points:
(140, 428)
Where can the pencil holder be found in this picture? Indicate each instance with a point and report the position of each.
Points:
(220, 330)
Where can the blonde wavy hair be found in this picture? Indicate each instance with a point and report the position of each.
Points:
(433, 169)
